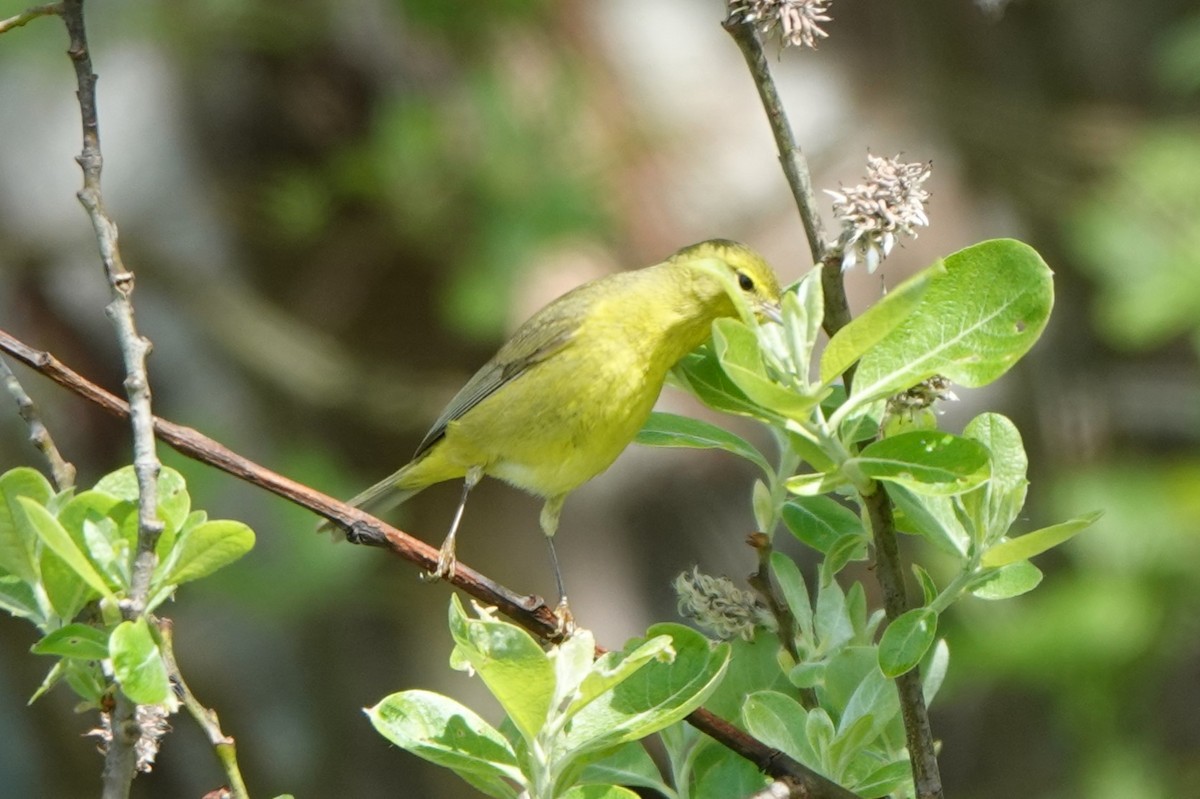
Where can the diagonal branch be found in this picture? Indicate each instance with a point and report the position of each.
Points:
(39, 436)
(531, 612)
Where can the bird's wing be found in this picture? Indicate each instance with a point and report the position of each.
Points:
(536, 340)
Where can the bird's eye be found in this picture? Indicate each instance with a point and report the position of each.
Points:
(745, 282)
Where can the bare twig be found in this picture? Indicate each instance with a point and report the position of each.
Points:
(795, 169)
(134, 347)
(29, 15)
(531, 612)
(120, 761)
(62, 471)
(837, 315)
(223, 745)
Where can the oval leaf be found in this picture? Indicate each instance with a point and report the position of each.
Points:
(74, 641)
(819, 521)
(440, 730)
(672, 430)
(16, 536)
(137, 663)
(975, 320)
(206, 548)
(926, 461)
(868, 329)
(737, 348)
(1009, 581)
(906, 640)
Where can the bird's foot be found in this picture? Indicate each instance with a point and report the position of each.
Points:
(445, 564)
(564, 621)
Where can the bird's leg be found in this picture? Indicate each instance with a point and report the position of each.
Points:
(549, 521)
(446, 559)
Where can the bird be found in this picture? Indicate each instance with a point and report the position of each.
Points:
(575, 383)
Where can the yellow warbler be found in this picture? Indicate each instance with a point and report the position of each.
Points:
(572, 387)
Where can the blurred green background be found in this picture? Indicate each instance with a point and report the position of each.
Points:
(336, 210)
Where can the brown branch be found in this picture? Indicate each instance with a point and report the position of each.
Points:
(890, 572)
(62, 471)
(795, 169)
(531, 612)
(29, 15)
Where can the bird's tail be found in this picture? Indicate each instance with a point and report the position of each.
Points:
(378, 499)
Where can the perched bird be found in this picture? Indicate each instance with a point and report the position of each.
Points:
(568, 392)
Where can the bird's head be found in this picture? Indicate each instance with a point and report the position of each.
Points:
(741, 273)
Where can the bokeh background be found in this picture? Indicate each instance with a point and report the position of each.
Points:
(336, 210)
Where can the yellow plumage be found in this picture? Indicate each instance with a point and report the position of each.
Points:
(572, 387)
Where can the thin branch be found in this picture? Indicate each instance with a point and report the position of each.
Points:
(531, 612)
(223, 745)
(890, 572)
(795, 169)
(62, 471)
(134, 347)
(837, 315)
(29, 15)
(120, 761)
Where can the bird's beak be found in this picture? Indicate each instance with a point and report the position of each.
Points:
(770, 310)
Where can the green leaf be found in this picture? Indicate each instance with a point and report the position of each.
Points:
(65, 589)
(795, 592)
(995, 505)
(737, 348)
(812, 484)
(60, 542)
(672, 430)
(845, 549)
(653, 697)
(845, 673)
(173, 500)
(613, 668)
(86, 678)
(779, 722)
(205, 548)
(886, 780)
(440, 730)
(17, 538)
(1008, 581)
(701, 374)
(873, 325)
(1035, 543)
(932, 517)
(93, 519)
(138, 664)
(753, 666)
(934, 670)
(803, 311)
(906, 640)
(628, 764)
(833, 627)
(874, 698)
(599, 792)
(977, 317)
(718, 773)
(820, 521)
(928, 587)
(925, 461)
(16, 596)
(510, 662)
(74, 641)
